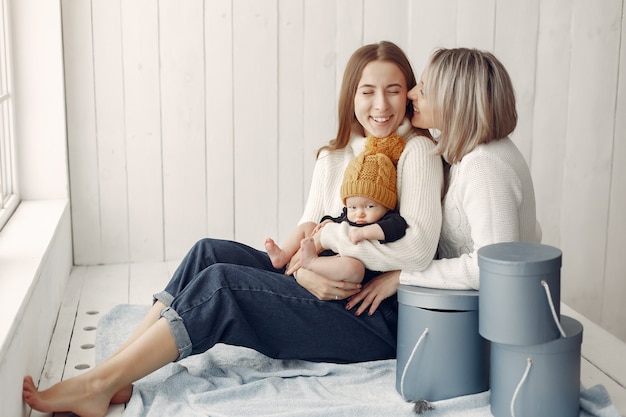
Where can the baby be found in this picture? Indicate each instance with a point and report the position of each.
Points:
(369, 195)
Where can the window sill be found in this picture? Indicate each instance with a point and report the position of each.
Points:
(35, 257)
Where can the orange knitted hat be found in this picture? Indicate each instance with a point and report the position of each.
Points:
(372, 174)
(392, 146)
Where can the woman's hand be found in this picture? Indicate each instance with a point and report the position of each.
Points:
(319, 227)
(324, 288)
(374, 292)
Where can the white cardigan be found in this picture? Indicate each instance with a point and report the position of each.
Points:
(420, 179)
(490, 199)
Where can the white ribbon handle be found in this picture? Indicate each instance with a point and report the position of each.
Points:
(519, 386)
(554, 316)
(406, 366)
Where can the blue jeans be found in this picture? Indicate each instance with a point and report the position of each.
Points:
(227, 292)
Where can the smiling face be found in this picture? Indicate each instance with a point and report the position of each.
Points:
(423, 115)
(380, 99)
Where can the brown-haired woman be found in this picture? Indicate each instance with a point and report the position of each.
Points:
(227, 292)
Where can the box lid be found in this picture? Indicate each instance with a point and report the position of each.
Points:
(438, 299)
(519, 258)
(572, 341)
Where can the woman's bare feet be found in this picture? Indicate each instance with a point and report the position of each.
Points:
(123, 395)
(77, 395)
(308, 252)
(277, 255)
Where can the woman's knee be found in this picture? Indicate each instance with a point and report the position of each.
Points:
(202, 243)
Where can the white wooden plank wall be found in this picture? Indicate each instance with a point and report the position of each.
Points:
(202, 118)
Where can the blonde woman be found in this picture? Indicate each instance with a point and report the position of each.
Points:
(467, 96)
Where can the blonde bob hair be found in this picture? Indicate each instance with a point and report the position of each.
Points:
(472, 95)
(382, 51)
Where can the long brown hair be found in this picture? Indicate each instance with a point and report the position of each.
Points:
(382, 51)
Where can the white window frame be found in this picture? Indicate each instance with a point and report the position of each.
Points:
(9, 195)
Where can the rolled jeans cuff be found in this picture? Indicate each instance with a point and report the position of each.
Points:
(179, 332)
(164, 297)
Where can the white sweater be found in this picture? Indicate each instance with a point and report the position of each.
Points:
(419, 179)
(490, 199)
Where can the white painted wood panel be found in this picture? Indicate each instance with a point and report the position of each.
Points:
(205, 117)
(350, 37)
(219, 108)
(182, 121)
(320, 76)
(475, 26)
(147, 278)
(380, 22)
(516, 48)
(614, 289)
(110, 129)
(81, 131)
(550, 114)
(34, 269)
(432, 25)
(255, 91)
(54, 366)
(587, 174)
(291, 185)
(103, 287)
(142, 117)
(39, 112)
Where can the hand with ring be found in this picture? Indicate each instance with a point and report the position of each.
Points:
(326, 289)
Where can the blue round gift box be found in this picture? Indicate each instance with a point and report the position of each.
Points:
(514, 305)
(552, 383)
(452, 359)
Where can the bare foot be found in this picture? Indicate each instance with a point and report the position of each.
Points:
(308, 252)
(123, 395)
(277, 256)
(77, 395)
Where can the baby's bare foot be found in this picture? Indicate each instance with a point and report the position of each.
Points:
(308, 253)
(76, 395)
(277, 256)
